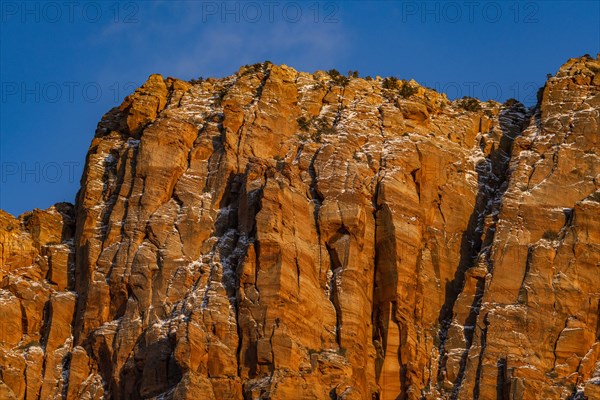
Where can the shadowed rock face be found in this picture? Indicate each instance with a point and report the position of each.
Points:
(274, 235)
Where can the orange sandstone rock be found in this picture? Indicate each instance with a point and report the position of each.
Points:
(275, 235)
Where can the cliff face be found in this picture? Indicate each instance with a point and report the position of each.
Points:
(283, 235)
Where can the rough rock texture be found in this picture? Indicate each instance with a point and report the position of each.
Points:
(283, 235)
(36, 305)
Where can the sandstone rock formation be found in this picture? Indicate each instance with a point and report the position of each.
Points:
(283, 235)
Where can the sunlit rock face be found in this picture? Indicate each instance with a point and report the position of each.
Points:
(284, 235)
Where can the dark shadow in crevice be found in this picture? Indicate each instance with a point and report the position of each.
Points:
(492, 180)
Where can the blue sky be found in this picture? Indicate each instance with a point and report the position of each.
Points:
(64, 64)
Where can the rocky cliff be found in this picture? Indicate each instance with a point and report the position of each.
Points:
(283, 235)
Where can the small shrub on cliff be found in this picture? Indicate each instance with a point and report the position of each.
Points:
(343, 81)
(391, 82)
(303, 123)
(220, 96)
(510, 102)
(407, 90)
(253, 69)
(595, 197)
(323, 128)
(550, 235)
(552, 374)
(338, 78)
(469, 104)
(334, 73)
(352, 74)
(197, 81)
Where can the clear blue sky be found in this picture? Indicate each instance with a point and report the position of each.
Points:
(63, 65)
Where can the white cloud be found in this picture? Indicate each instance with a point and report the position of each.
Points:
(187, 43)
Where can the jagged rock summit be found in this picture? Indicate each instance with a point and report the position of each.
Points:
(283, 235)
